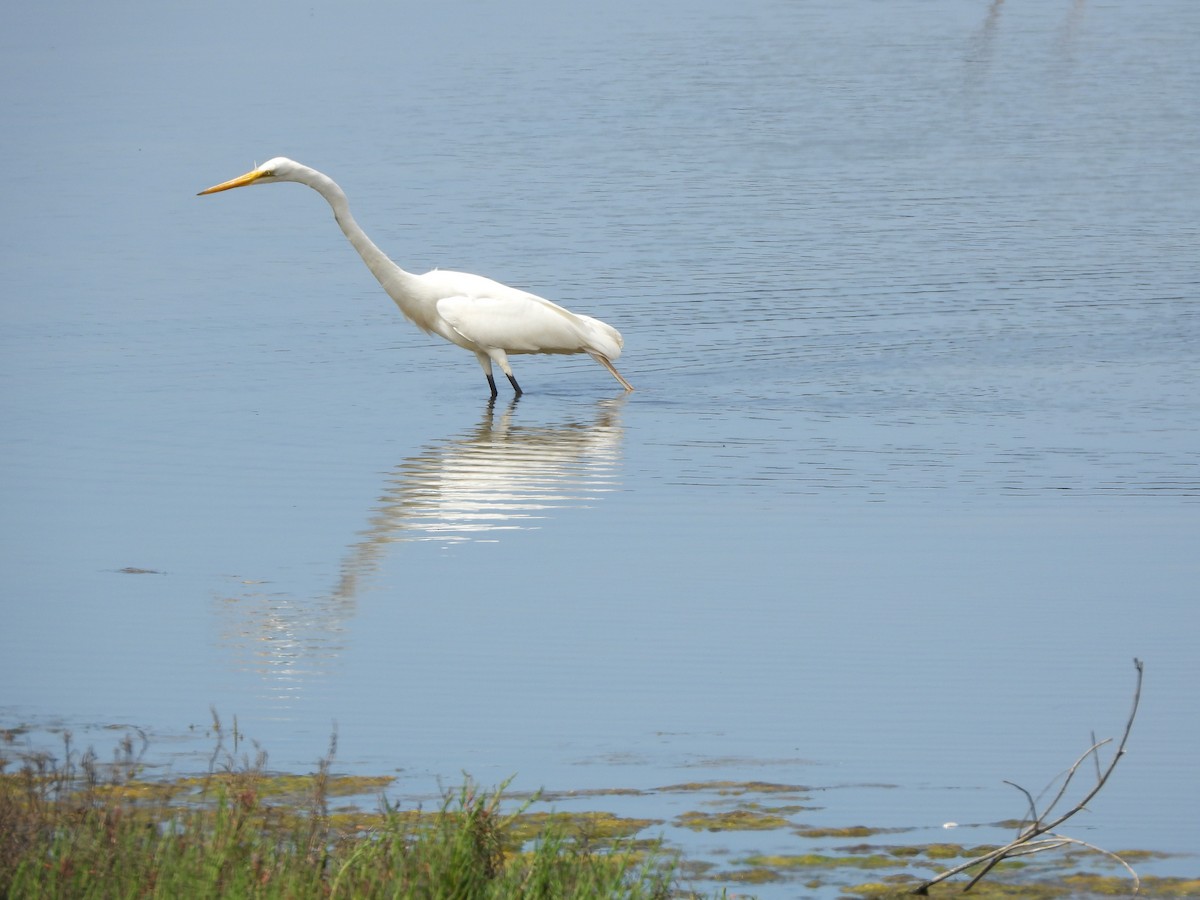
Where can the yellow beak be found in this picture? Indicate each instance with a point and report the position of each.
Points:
(240, 181)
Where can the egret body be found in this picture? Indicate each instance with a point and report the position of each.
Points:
(490, 319)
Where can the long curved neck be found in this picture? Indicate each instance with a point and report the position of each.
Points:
(395, 280)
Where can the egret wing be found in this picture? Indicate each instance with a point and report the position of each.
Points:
(518, 323)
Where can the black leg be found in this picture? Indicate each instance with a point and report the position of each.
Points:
(492, 385)
(516, 387)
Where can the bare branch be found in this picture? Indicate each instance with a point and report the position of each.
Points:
(1025, 842)
(1042, 846)
(1033, 813)
(1137, 882)
(1070, 774)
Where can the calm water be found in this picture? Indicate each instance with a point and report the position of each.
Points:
(910, 298)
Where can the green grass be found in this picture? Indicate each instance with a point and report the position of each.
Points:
(76, 829)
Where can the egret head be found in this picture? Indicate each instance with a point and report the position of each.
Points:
(278, 169)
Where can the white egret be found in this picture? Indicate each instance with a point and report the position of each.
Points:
(490, 319)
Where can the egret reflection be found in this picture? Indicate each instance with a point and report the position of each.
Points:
(500, 477)
(284, 638)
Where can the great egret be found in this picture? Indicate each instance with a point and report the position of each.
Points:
(490, 319)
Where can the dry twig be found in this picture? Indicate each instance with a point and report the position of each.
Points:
(1041, 824)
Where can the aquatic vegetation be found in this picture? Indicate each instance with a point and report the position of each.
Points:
(596, 827)
(1070, 887)
(818, 860)
(732, 820)
(944, 851)
(736, 788)
(758, 875)
(73, 826)
(853, 831)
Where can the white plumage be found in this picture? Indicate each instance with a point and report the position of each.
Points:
(490, 319)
